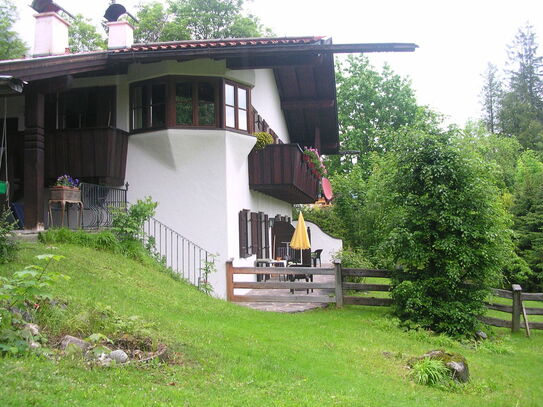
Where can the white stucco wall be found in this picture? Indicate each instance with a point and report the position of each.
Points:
(265, 99)
(322, 240)
(199, 177)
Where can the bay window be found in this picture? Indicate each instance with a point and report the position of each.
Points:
(176, 101)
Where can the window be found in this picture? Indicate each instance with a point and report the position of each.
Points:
(81, 108)
(236, 106)
(176, 101)
(195, 103)
(148, 105)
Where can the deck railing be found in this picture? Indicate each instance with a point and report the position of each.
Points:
(99, 202)
(183, 257)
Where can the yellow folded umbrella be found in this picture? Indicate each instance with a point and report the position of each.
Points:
(300, 239)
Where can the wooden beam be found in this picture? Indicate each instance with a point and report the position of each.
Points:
(379, 302)
(283, 285)
(269, 62)
(284, 298)
(366, 273)
(34, 160)
(298, 104)
(264, 50)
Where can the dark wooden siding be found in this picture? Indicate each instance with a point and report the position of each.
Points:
(280, 171)
(95, 155)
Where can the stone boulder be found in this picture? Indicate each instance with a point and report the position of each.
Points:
(72, 340)
(456, 363)
(119, 356)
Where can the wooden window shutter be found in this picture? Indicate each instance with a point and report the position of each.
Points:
(266, 237)
(243, 234)
(255, 246)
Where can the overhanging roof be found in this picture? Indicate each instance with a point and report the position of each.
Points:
(303, 67)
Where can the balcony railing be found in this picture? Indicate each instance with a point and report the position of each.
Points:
(94, 154)
(280, 171)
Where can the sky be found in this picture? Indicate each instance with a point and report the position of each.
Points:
(456, 39)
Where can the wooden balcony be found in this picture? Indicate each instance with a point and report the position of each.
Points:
(280, 171)
(96, 155)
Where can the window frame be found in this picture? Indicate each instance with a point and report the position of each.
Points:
(219, 86)
(248, 107)
(147, 105)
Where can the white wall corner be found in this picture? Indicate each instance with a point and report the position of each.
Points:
(120, 35)
(51, 34)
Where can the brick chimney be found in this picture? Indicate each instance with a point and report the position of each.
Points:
(120, 35)
(51, 36)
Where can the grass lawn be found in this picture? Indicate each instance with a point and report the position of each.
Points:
(234, 356)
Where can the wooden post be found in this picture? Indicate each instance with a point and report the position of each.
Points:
(339, 284)
(34, 160)
(517, 308)
(230, 280)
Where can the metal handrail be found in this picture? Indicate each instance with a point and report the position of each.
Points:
(182, 256)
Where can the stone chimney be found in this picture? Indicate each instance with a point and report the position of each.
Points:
(51, 36)
(120, 35)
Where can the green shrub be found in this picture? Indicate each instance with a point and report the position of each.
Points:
(262, 140)
(429, 372)
(353, 258)
(21, 294)
(127, 223)
(451, 236)
(8, 246)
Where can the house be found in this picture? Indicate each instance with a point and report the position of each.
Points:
(176, 120)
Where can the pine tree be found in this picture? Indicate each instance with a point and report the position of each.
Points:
(491, 95)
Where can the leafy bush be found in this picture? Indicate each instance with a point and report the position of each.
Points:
(8, 246)
(353, 258)
(429, 372)
(20, 294)
(451, 236)
(127, 223)
(262, 140)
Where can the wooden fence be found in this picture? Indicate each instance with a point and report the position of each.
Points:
(333, 292)
(338, 291)
(516, 309)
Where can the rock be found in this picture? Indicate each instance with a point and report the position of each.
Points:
(459, 371)
(104, 360)
(72, 340)
(119, 356)
(456, 363)
(33, 329)
(34, 345)
(481, 334)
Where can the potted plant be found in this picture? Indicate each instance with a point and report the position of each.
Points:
(315, 162)
(66, 188)
(262, 140)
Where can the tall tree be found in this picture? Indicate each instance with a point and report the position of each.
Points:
(526, 68)
(528, 211)
(450, 228)
(83, 36)
(196, 19)
(11, 45)
(521, 110)
(371, 106)
(491, 96)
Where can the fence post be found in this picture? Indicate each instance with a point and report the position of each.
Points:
(339, 283)
(517, 307)
(230, 280)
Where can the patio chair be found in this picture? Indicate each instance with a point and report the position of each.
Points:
(316, 255)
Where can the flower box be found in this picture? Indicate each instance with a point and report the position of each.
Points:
(63, 193)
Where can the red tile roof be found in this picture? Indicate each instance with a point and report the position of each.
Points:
(221, 43)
